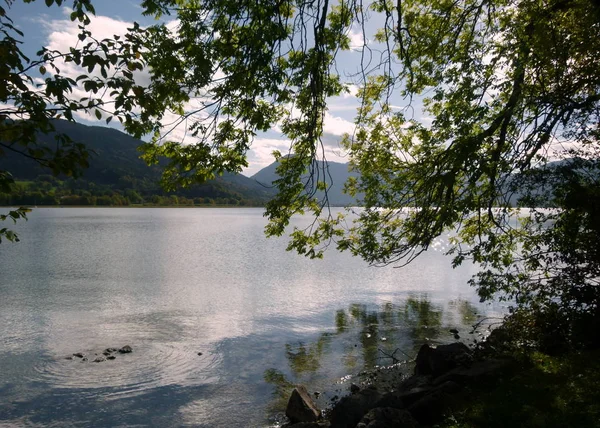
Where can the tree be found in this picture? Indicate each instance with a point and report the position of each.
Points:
(496, 86)
(34, 93)
(503, 84)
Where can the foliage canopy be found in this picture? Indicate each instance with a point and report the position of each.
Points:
(489, 90)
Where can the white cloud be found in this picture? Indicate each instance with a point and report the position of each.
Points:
(337, 125)
(357, 40)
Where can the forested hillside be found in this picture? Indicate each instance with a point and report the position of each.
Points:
(116, 176)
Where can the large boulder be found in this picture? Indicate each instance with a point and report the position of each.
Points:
(301, 407)
(437, 361)
(350, 409)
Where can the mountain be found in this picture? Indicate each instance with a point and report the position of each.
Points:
(336, 176)
(116, 169)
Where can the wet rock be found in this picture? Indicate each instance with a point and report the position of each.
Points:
(415, 381)
(111, 357)
(387, 417)
(350, 409)
(200, 354)
(300, 407)
(70, 357)
(125, 349)
(99, 359)
(412, 395)
(78, 355)
(84, 359)
(437, 361)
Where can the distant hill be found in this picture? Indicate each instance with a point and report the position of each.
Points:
(115, 166)
(337, 175)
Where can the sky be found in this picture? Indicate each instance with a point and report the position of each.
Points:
(52, 28)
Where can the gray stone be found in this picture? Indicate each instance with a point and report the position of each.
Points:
(125, 349)
(111, 357)
(391, 399)
(478, 371)
(300, 407)
(350, 409)
(432, 408)
(320, 424)
(99, 359)
(437, 361)
(387, 417)
(78, 355)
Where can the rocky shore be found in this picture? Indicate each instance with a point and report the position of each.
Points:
(442, 381)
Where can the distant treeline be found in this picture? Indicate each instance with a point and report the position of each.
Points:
(50, 190)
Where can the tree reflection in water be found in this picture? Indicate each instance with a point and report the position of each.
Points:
(366, 336)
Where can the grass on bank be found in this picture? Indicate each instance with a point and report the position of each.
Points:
(542, 391)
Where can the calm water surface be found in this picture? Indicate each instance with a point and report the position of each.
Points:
(172, 283)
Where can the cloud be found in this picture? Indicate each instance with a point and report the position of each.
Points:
(337, 125)
(357, 41)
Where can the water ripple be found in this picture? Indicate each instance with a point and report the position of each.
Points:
(145, 368)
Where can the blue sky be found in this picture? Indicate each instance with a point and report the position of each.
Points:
(51, 27)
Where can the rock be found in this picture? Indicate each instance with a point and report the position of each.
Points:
(476, 372)
(387, 417)
(354, 388)
(78, 355)
(199, 354)
(70, 357)
(322, 424)
(99, 359)
(453, 331)
(412, 395)
(300, 407)
(431, 408)
(111, 357)
(350, 409)
(83, 359)
(125, 349)
(391, 399)
(110, 350)
(437, 361)
(415, 381)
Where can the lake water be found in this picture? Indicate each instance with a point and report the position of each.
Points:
(172, 283)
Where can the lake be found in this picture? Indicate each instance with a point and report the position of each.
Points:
(173, 283)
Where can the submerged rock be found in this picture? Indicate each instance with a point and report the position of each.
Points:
(78, 355)
(99, 359)
(301, 408)
(126, 349)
